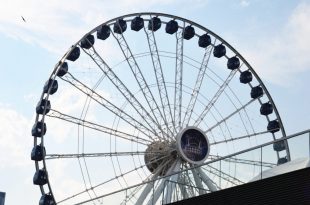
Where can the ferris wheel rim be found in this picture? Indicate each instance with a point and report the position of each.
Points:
(53, 75)
(202, 28)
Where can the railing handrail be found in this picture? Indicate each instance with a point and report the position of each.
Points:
(237, 153)
(209, 162)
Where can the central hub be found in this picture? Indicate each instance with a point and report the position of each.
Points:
(158, 157)
(193, 145)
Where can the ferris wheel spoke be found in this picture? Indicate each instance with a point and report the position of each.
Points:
(120, 86)
(159, 190)
(246, 114)
(230, 115)
(148, 188)
(244, 161)
(91, 155)
(170, 186)
(183, 189)
(178, 78)
(241, 137)
(108, 181)
(140, 79)
(100, 128)
(197, 86)
(189, 184)
(198, 182)
(98, 185)
(232, 102)
(109, 105)
(206, 179)
(149, 182)
(215, 98)
(161, 84)
(239, 112)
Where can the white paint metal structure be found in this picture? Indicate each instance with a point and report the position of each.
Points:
(134, 105)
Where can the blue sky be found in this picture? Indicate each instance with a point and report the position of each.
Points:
(272, 35)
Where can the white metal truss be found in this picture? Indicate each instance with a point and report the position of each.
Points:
(230, 115)
(170, 184)
(123, 89)
(144, 87)
(214, 98)
(197, 86)
(206, 179)
(178, 78)
(85, 155)
(198, 182)
(143, 128)
(101, 128)
(160, 79)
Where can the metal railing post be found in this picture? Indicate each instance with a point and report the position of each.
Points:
(220, 174)
(126, 197)
(261, 162)
(153, 192)
(309, 144)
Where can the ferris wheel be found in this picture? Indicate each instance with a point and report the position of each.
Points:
(143, 100)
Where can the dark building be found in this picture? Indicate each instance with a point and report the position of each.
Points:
(2, 198)
(291, 188)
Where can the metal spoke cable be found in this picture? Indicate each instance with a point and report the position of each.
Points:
(220, 126)
(117, 159)
(223, 175)
(244, 109)
(239, 113)
(239, 138)
(224, 91)
(94, 126)
(80, 167)
(245, 161)
(106, 154)
(197, 86)
(215, 97)
(235, 96)
(84, 181)
(230, 115)
(85, 164)
(129, 96)
(109, 106)
(140, 79)
(161, 84)
(109, 180)
(134, 192)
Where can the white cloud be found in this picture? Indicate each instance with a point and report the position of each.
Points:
(15, 138)
(244, 3)
(55, 25)
(69, 101)
(284, 55)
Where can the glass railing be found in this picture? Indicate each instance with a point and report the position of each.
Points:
(222, 172)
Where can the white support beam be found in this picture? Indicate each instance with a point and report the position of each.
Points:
(183, 188)
(145, 192)
(170, 186)
(206, 180)
(198, 182)
(161, 186)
